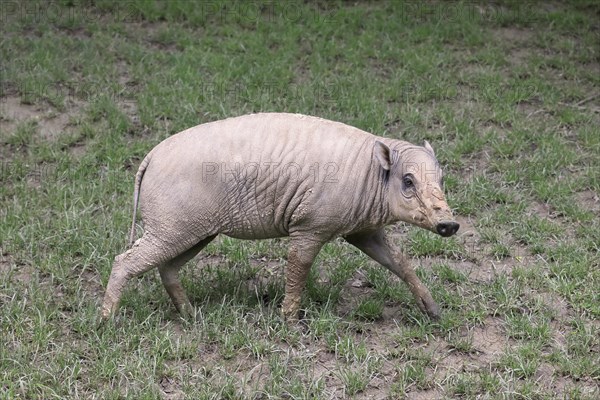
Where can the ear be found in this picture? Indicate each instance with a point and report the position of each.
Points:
(382, 153)
(429, 148)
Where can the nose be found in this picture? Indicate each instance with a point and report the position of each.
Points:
(447, 228)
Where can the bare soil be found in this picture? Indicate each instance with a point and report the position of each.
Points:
(50, 123)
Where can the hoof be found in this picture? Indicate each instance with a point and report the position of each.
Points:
(433, 311)
(290, 309)
(290, 318)
(105, 315)
(290, 315)
(427, 305)
(103, 320)
(188, 313)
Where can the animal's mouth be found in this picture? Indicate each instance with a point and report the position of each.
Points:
(447, 228)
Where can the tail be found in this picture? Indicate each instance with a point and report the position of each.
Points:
(136, 194)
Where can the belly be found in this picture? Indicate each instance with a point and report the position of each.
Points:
(244, 220)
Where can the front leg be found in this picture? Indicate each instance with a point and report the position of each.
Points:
(302, 252)
(376, 246)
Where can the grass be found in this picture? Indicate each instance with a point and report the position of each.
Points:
(507, 95)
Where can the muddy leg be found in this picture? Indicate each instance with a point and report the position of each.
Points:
(146, 253)
(302, 253)
(169, 275)
(376, 246)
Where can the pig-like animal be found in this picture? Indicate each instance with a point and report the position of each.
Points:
(272, 175)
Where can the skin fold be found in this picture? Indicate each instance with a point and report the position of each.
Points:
(280, 175)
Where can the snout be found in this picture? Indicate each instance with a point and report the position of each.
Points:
(447, 228)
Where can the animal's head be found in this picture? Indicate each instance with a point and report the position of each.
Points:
(415, 187)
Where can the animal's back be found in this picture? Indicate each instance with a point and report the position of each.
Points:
(277, 136)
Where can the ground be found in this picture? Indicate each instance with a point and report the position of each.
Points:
(508, 93)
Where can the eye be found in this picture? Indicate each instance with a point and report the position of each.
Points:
(407, 181)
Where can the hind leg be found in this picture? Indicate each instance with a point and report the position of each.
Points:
(146, 253)
(168, 274)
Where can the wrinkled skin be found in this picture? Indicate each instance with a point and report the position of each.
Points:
(273, 175)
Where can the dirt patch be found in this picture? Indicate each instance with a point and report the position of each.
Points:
(77, 150)
(483, 270)
(489, 339)
(14, 272)
(519, 56)
(424, 395)
(90, 280)
(556, 303)
(542, 210)
(127, 104)
(514, 35)
(14, 109)
(517, 40)
(548, 378)
(469, 236)
(589, 200)
(4, 262)
(560, 385)
(477, 163)
(170, 389)
(519, 257)
(50, 123)
(355, 290)
(531, 109)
